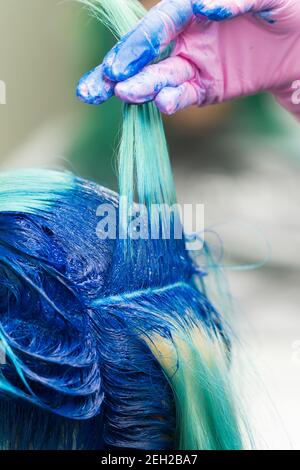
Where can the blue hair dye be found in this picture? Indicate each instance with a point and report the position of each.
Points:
(77, 320)
(54, 269)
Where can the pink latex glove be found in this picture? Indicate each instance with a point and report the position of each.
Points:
(223, 49)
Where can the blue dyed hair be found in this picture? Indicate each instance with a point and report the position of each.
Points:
(99, 350)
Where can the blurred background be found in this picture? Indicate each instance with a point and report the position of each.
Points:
(241, 160)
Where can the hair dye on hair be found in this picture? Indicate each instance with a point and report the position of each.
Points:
(109, 343)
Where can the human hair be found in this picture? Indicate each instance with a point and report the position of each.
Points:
(109, 342)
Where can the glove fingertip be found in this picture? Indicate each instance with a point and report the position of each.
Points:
(166, 103)
(93, 89)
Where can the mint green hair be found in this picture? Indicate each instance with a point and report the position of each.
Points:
(32, 190)
(196, 362)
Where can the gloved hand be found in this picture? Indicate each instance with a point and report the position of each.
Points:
(222, 49)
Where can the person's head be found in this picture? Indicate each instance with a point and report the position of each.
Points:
(102, 347)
